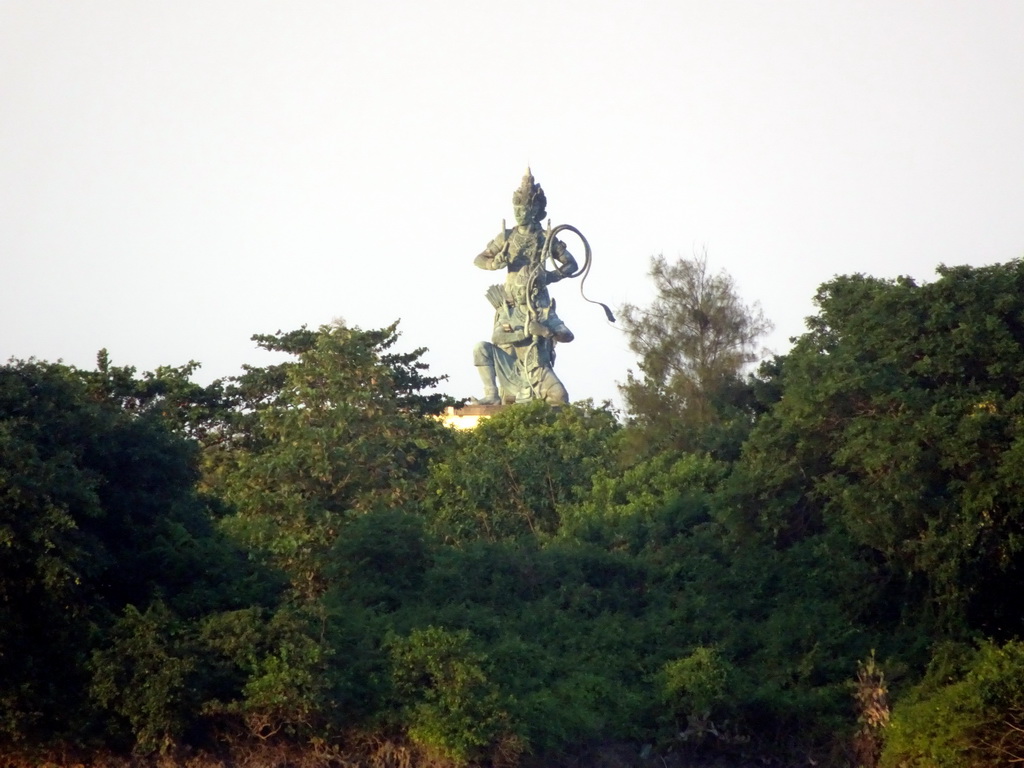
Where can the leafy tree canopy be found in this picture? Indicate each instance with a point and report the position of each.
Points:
(901, 423)
(693, 343)
(99, 517)
(344, 428)
(511, 476)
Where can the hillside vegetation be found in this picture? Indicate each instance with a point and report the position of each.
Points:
(822, 561)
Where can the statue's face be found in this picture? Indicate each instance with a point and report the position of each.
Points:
(525, 215)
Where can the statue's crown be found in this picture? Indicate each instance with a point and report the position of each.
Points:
(530, 195)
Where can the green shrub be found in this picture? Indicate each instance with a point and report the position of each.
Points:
(697, 682)
(144, 677)
(450, 707)
(963, 714)
(693, 687)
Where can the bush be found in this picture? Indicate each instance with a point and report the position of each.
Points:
(450, 707)
(964, 714)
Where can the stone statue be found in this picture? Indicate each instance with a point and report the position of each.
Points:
(517, 364)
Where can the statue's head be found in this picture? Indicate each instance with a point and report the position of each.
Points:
(529, 201)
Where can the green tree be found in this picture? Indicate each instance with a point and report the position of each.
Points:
(103, 537)
(340, 431)
(692, 687)
(647, 505)
(145, 674)
(515, 473)
(900, 424)
(968, 711)
(693, 343)
(284, 666)
(449, 705)
(189, 409)
(343, 429)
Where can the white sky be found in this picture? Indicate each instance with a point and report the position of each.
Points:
(176, 176)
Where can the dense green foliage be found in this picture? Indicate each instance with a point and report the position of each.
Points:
(110, 559)
(303, 564)
(968, 710)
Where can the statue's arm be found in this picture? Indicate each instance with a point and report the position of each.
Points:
(506, 333)
(488, 260)
(509, 327)
(565, 263)
(495, 255)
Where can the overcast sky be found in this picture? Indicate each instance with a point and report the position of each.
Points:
(177, 176)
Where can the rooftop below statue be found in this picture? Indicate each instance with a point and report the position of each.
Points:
(468, 416)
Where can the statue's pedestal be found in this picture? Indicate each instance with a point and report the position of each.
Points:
(469, 416)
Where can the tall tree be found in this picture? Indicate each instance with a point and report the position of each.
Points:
(342, 429)
(99, 519)
(901, 424)
(693, 343)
